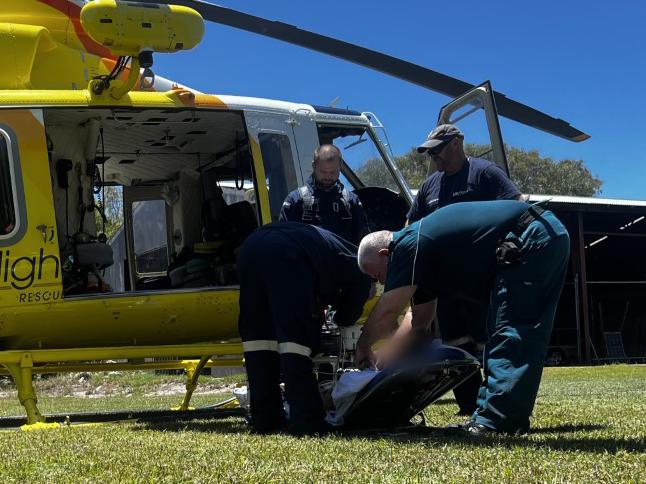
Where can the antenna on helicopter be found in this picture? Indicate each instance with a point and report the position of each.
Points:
(378, 61)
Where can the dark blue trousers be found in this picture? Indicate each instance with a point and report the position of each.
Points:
(519, 325)
(280, 327)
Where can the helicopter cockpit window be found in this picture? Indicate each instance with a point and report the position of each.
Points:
(365, 166)
(279, 169)
(7, 209)
(366, 172)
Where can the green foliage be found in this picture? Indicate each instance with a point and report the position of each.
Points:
(373, 173)
(531, 172)
(588, 427)
(534, 173)
(415, 167)
(113, 210)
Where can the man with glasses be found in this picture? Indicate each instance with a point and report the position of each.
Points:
(459, 178)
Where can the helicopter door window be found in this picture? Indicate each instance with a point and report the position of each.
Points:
(150, 236)
(279, 169)
(365, 165)
(7, 209)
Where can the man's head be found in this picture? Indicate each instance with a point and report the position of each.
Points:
(444, 146)
(373, 254)
(326, 165)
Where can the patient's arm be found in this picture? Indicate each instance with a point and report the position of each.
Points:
(381, 322)
(413, 327)
(423, 315)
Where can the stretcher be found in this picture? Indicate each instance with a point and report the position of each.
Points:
(399, 393)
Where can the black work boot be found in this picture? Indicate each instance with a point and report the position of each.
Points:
(266, 403)
(306, 415)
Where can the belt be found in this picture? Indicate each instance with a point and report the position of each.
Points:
(509, 252)
(532, 214)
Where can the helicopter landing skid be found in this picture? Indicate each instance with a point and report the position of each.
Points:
(225, 409)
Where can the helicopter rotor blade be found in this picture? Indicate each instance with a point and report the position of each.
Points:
(378, 61)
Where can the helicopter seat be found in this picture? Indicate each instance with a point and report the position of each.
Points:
(94, 254)
(90, 258)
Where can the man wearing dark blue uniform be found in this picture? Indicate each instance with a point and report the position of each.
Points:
(289, 272)
(504, 254)
(459, 178)
(324, 201)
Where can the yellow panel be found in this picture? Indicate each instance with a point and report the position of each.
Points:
(128, 29)
(162, 318)
(33, 261)
(83, 98)
(26, 11)
(259, 169)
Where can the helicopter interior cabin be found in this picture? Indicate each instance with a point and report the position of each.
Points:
(149, 199)
(161, 199)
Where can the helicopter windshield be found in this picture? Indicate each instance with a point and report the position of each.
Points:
(365, 165)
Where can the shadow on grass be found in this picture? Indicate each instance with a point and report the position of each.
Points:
(440, 435)
(226, 426)
(559, 442)
(568, 428)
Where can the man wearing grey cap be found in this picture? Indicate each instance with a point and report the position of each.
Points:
(459, 178)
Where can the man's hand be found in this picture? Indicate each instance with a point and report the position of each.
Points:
(388, 354)
(364, 357)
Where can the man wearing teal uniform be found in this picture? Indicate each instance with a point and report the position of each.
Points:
(503, 253)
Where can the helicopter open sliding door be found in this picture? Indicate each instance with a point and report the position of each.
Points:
(470, 104)
(278, 158)
(30, 267)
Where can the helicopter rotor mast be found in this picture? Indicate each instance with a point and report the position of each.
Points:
(378, 61)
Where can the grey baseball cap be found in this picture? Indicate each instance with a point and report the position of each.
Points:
(440, 134)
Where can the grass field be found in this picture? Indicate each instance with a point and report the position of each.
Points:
(589, 426)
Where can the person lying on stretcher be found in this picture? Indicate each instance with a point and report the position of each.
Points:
(414, 374)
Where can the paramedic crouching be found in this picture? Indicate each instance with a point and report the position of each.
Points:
(289, 272)
(507, 254)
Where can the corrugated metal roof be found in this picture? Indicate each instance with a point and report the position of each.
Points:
(568, 200)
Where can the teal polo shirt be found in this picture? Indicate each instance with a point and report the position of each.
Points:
(452, 251)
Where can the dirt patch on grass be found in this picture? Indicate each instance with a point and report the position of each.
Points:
(90, 385)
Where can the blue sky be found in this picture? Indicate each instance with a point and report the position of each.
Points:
(584, 62)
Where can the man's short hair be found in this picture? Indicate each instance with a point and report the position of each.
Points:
(370, 246)
(326, 152)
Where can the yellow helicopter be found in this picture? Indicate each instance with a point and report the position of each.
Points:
(81, 110)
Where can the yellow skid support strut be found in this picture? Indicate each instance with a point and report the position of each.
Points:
(193, 371)
(21, 365)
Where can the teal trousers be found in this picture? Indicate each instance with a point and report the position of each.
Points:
(519, 324)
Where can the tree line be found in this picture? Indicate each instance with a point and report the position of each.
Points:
(530, 171)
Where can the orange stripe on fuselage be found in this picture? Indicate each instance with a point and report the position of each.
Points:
(73, 12)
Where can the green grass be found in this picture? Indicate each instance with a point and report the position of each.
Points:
(589, 426)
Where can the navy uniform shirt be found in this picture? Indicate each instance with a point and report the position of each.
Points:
(453, 250)
(334, 260)
(477, 180)
(329, 211)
